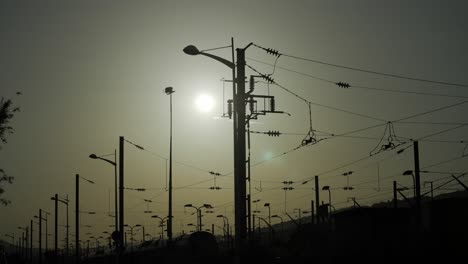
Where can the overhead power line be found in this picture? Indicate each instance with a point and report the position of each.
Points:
(430, 111)
(339, 84)
(314, 103)
(276, 53)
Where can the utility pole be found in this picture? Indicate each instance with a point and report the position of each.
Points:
(121, 192)
(249, 197)
(317, 198)
(31, 244)
(46, 231)
(170, 91)
(23, 247)
(115, 192)
(312, 213)
(395, 197)
(240, 170)
(27, 243)
(235, 139)
(417, 181)
(432, 189)
(239, 121)
(68, 226)
(56, 227)
(77, 218)
(40, 236)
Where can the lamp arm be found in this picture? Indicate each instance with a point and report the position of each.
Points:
(222, 60)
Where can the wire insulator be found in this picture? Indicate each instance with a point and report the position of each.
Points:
(272, 104)
(343, 84)
(230, 108)
(273, 133)
(272, 52)
(268, 78)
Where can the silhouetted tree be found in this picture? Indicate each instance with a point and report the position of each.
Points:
(7, 110)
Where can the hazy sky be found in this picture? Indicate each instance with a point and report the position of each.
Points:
(91, 71)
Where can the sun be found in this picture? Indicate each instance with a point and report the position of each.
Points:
(204, 103)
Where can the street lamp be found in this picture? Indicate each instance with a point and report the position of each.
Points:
(169, 91)
(192, 50)
(190, 205)
(64, 201)
(113, 163)
(161, 224)
(407, 173)
(225, 225)
(131, 233)
(432, 188)
(25, 240)
(45, 219)
(238, 135)
(269, 226)
(77, 215)
(40, 235)
(298, 209)
(327, 188)
(199, 214)
(282, 223)
(46, 230)
(269, 212)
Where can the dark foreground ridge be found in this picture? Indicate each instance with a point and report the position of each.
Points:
(365, 232)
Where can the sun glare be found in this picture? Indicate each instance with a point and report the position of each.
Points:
(204, 103)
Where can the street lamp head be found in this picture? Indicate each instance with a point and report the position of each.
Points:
(267, 205)
(93, 156)
(155, 216)
(90, 213)
(169, 90)
(220, 216)
(137, 225)
(408, 172)
(90, 181)
(191, 50)
(207, 206)
(188, 205)
(326, 188)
